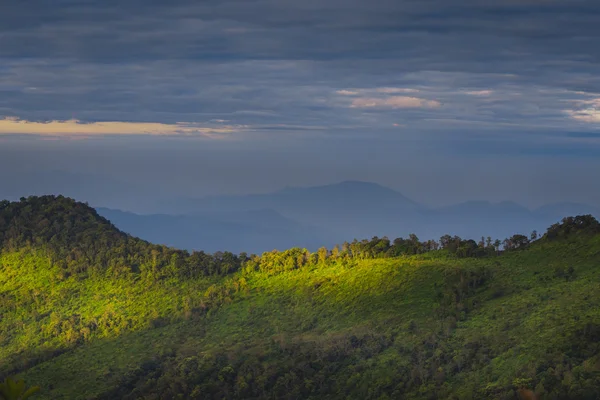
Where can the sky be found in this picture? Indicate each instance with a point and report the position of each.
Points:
(128, 102)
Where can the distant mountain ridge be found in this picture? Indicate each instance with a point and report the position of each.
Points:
(326, 215)
(252, 231)
(356, 192)
(328, 196)
(329, 214)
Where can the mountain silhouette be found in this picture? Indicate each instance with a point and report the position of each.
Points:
(329, 214)
(253, 231)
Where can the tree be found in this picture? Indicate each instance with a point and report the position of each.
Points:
(467, 248)
(519, 241)
(345, 249)
(379, 246)
(497, 244)
(445, 241)
(431, 245)
(335, 252)
(534, 235)
(322, 254)
(581, 223)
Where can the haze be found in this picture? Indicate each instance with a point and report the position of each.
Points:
(133, 105)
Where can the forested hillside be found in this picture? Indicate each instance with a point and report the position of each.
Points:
(88, 312)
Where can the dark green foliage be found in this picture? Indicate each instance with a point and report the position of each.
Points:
(80, 241)
(516, 242)
(88, 312)
(564, 273)
(467, 248)
(585, 224)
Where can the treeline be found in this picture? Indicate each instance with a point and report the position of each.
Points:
(279, 261)
(79, 240)
(581, 224)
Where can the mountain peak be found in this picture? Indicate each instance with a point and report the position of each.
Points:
(350, 190)
(51, 219)
(358, 183)
(344, 184)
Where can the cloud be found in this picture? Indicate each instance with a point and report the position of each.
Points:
(590, 115)
(394, 102)
(347, 92)
(75, 128)
(586, 111)
(265, 63)
(392, 90)
(592, 102)
(480, 92)
(384, 90)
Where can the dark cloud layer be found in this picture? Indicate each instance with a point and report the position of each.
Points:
(447, 79)
(141, 60)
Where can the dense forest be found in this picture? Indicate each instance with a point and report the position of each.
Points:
(89, 312)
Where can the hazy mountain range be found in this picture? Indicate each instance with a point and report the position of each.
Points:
(325, 215)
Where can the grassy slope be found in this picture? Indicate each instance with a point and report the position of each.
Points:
(522, 314)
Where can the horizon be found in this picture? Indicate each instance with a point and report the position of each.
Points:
(281, 190)
(324, 216)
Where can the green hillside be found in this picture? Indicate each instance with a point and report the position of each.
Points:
(89, 312)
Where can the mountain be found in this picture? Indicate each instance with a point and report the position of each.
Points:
(345, 210)
(73, 237)
(312, 217)
(254, 231)
(293, 217)
(318, 198)
(90, 312)
(352, 209)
